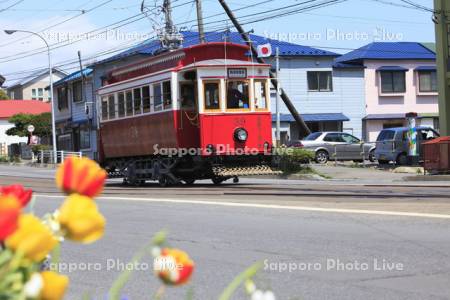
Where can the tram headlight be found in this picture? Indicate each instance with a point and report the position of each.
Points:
(240, 135)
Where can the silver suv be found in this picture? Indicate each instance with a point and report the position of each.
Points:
(339, 145)
(392, 144)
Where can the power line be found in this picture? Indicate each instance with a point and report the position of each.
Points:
(128, 20)
(11, 6)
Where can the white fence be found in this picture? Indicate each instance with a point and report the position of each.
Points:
(47, 156)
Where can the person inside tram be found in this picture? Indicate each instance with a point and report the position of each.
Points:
(235, 98)
(188, 96)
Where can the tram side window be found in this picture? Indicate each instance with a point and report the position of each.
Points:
(167, 94)
(111, 107)
(104, 108)
(212, 100)
(157, 97)
(260, 94)
(237, 95)
(129, 101)
(121, 105)
(146, 98)
(137, 101)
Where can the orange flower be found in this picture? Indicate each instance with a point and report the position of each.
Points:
(17, 190)
(82, 176)
(9, 215)
(173, 266)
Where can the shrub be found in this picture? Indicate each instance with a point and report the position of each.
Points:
(290, 160)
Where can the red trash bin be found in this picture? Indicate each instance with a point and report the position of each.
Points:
(436, 155)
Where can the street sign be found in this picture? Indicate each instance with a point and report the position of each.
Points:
(30, 128)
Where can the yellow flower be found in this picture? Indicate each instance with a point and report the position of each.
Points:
(81, 175)
(32, 238)
(81, 220)
(55, 286)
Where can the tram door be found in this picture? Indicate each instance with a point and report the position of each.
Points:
(189, 119)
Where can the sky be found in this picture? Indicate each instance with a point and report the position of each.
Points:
(340, 27)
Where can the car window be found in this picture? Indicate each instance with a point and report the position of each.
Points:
(313, 136)
(348, 138)
(333, 137)
(427, 134)
(386, 135)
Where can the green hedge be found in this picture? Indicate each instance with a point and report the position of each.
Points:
(290, 160)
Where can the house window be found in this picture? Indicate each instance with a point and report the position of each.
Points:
(33, 94)
(129, 102)
(146, 98)
(260, 94)
(320, 81)
(63, 102)
(238, 94)
(40, 94)
(137, 101)
(121, 104)
(393, 82)
(85, 138)
(77, 91)
(111, 107)
(104, 108)
(212, 100)
(157, 97)
(427, 81)
(65, 142)
(167, 95)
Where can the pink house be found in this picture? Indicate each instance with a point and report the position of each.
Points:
(398, 78)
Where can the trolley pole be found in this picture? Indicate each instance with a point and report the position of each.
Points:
(277, 99)
(201, 30)
(442, 21)
(303, 128)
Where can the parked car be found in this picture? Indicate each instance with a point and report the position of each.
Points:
(326, 144)
(392, 144)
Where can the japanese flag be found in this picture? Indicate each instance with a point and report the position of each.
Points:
(265, 50)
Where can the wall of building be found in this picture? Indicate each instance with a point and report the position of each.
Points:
(409, 101)
(42, 82)
(347, 96)
(4, 126)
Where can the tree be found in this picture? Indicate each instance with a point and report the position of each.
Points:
(42, 124)
(3, 95)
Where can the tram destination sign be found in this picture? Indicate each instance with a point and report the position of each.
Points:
(237, 73)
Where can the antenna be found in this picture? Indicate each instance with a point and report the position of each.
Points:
(170, 37)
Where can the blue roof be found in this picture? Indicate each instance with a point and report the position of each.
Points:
(392, 68)
(338, 65)
(388, 51)
(322, 117)
(191, 38)
(74, 76)
(425, 68)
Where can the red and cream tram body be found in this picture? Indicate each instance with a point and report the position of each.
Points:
(193, 113)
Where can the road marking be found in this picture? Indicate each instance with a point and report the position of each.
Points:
(274, 206)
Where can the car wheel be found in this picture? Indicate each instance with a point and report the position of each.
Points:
(321, 157)
(402, 159)
(372, 156)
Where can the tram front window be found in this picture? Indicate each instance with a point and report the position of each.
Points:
(212, 101)
(238, 95)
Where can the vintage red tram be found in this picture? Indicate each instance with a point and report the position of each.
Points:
(201, 112)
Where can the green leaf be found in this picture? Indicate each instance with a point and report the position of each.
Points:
(160, 237)
(238, 280)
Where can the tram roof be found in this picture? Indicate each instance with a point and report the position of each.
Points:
(191, 38)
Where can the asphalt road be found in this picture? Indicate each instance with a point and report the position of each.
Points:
(340, 241)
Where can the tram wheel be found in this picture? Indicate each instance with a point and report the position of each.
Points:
(164, 181)
(189, 181)
(217, 180)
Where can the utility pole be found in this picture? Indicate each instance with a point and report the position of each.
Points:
(83, 93)
(201, 30)
(442, 21)
(303, 128)
(277, 99)
(170, 39)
